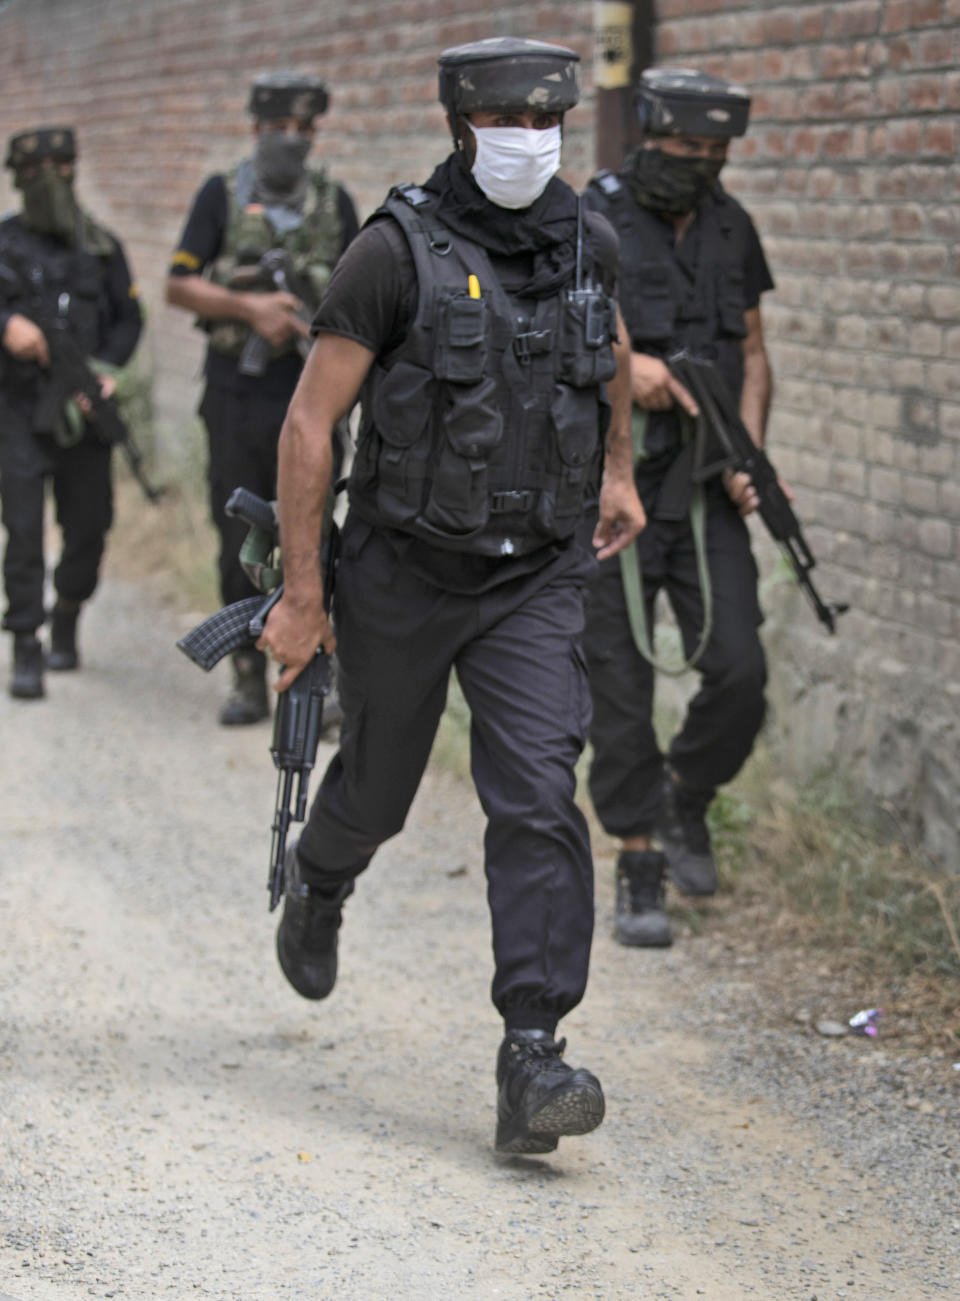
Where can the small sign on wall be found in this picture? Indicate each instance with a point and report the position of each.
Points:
(613, 44)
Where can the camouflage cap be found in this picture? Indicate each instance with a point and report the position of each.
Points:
(682, 101)
(508, 74)
(56, 142)
(288, 94)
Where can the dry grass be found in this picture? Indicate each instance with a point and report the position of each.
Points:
(844, 911)
(171, 545)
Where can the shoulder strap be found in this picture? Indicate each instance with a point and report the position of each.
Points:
(608, 183)
(414, 210)
(631, 574)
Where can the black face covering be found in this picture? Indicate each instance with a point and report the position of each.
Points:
(49, 205)
(670, 184)
(279, 160)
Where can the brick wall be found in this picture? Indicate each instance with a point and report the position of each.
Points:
(157, 90)
(850, 169)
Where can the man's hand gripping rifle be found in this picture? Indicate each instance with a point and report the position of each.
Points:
(724, 437)
(273, 272)
(298, 718)
(71, 375)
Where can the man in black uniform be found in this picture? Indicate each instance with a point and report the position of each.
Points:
(56, 263)
(482, 359)
(270, 201)
(692, 273)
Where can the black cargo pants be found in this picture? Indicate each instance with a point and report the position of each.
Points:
(83, 495)
(723, 718)
(516, 650)
(243, 428)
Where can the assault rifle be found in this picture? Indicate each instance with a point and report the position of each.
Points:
(274, 271)
(69, 375)
(725, 433)
(298, 719)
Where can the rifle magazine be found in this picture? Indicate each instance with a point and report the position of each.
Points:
(226, 631)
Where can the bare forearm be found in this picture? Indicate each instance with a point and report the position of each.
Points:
(210, 301)
(305, 466)
(756, 396)
(618, 459)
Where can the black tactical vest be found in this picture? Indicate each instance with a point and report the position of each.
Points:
(482, 431)
(664, 311)
(63, 284)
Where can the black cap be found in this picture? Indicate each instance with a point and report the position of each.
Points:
(288, 94)
(55, 142)
(682, 101)
(508, 74)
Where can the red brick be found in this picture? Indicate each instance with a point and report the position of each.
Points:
(811, 23)
(823, 182)
(888, 94)
(940, 138)
(854, 18)
(819, 100)
(924, 94)
(879, 138)
(667, 41)
(907, 219)
(902, 14)
(779, 26)
(843, 60)
(902, 53)
(837, 143)
(925, 11)
(804, 143)
(905, 138)
(937, 48)
(855, 99)
(800, 64)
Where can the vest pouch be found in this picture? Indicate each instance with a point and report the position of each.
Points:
(575, 416)
(403, 400)
(472, 425)
(648, 302)
(730, 300)
(461, 339)
(588, 326)
(83, 282)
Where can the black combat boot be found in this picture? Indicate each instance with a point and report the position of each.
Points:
(682, 830)
(26, 682)
(540, 1097)
(247, 702)
(63, 637)
(641, 920)
(307, 934)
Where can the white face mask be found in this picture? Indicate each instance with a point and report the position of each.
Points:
(514, 164)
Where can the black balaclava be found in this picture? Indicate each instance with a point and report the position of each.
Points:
(279, 163)
(49, 203)
(668, 183)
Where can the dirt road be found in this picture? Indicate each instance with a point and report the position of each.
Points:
(175, 1122)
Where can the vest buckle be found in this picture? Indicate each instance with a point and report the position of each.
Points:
(514, 500)
(532, 344)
